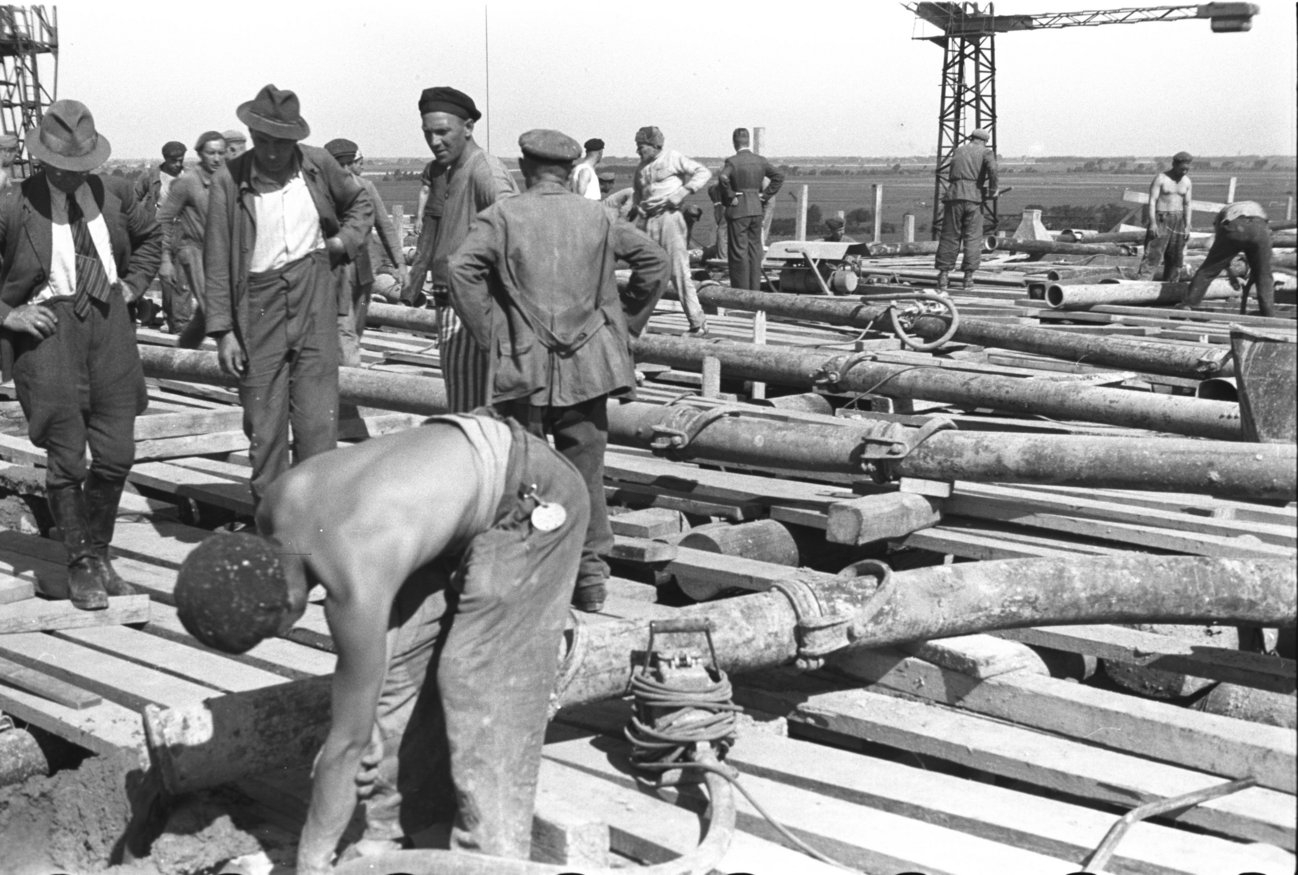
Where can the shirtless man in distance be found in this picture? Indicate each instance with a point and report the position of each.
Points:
(1168, 220)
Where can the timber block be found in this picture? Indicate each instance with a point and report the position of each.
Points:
(922, 486)
(879, 517)
(979, 656)
(563, 833)
(39, 615)
(649, 522)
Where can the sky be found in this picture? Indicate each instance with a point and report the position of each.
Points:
(823, 77)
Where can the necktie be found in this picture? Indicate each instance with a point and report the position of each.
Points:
(92, 282)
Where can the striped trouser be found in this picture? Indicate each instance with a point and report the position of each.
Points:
(464, 364)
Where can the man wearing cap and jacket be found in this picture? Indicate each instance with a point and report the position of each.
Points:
(585, 178)
(279, 220)
(76, 248)
(973, 174)
(1168, 219)
(235, 143)
(740, 182)
(183, 217)
(533, 282)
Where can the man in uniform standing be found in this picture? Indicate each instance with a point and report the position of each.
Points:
(1168, 218)
(745, 198)
(973, 174)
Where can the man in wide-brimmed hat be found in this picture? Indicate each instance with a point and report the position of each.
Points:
(280, 219)
(78, 247)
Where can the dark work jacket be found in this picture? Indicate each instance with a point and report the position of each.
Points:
(533, 283)
(345, 212)
(741, 183)
(973, 169)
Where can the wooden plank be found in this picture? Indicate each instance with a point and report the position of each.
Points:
(978, 656)
(1151, 650)
(978, 544)
(107, 729)
(188, 483)
(16, 589)
(873, 518)
(563, 833)
(641, 550)
(35, 615)
(46, 686)
(20, 451)
(649, 522)
(1219, 745)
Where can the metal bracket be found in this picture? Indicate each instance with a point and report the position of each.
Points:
(818, 634)
(878, 452)
(827, 378)
(680, 426)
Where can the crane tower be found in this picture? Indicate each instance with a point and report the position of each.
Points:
(29, 51)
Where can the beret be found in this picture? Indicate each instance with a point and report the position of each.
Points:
(651, 135)
(546, 145)
(834, 222)
(342, 149)
(443, 98)
(173, 147)
(8, 141)
(980, 134)
(233, 136)
(594, 144)
(205, 138)
(1182, 158)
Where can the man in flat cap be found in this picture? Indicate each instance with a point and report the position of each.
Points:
(281, 218)
(359, 276)
(585, 173)
(474, 181)
(834, 231)
(183, 217)
(8, 155)
(606, 179)
(745, 197)
(1168, 220)
(235, 143)
(533, 282)
(663, 179)
(151, 189)
(88, 246)
(973, 178)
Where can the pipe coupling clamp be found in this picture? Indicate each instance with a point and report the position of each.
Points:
(818, 634)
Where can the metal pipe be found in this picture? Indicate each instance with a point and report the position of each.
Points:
(1079, 297)
(1055, 247)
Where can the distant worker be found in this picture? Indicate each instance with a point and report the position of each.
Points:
(973, 178)
(663, 180)
(585, 173)
(281, 218)
(1239, 228)
(151, 188)
(534, 284)
(78, 247)
(357, 277)
(428, 216)
(1168, 220)
(834, 231)
(474, 181)
(235, 144)
(183, 217)
(745, 201)
(447, 627)
(606, 179)
(8, 155)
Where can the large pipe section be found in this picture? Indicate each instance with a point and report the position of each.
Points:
(1061, 296)
(1056, 247)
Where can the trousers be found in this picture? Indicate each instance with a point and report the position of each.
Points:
(744, 252)
(668, 230)
(473, 655)
(1165, 249)
(179, 295)
(1248, 235)
(465, 367)
(355, 298)
(962, 228)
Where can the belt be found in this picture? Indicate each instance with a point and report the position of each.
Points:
(517, 496)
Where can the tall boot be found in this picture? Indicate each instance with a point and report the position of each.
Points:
(85, 583)
(968, 280)
(102, 499)
(943, 279)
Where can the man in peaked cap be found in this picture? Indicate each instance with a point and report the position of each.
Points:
(474, 181)
(585, 173)
(279, 221)
(235, 143)
(1168, 220)
(973, 177)
(533, 283)
(88, 248)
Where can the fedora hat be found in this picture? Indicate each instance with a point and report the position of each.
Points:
(66, 138)
(274, 113)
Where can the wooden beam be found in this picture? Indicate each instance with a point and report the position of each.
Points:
(46, 686)
(879, 517)
(1142, 197)
(36, 615)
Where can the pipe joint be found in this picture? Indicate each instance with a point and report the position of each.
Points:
(679, 426)
(817, 633)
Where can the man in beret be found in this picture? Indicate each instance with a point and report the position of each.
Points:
(88, 246)
(8, 155)
(585, 173)
(358, 277)
(183, 217)
(663, 179)
(1168, 221)
(745, 198)
(281, 218)
(474, 181)
(973, 178)
(834, 231)
(533, 282)
(235, 143)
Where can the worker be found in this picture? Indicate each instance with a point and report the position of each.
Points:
(447, 627)
(8, 155)
(834, 231)
(474, 181)
(606, 179)
(973, 178)
(1168, 221)
(152, 188)
(745, 200)
(357, 278)
(663, 179)
(585, 174)
(280, 219)
(533, 282)
(87, 248)
(428, 215)
(235, 143)
(183, 217)
(1239, 228)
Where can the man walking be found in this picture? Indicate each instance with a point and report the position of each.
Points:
(76, 251)
(279, 220)
(663, 179)
(183, 217)
(1168, 219)
(1240, 228)
(745, 199)
(973, 178)
(534, 284)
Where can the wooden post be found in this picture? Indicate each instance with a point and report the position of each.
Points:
(878, 210)
(399, 222)
(759, 140)
(908, 228)
(758, 390)
(711, 373)
(1289, 209)
(1230, 190)
(801, 227)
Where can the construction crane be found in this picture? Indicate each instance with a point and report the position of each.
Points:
(968, 38)
(26, 36)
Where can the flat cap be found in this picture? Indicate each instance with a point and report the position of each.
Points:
(606, 176)
(650, 135)
(343, 150)
(8, 141)
(173, 149)
(541, 144)
(980, 134)
(443, 98)
(233, 136)
(834, 222)
(594, 144)
(1182, 158)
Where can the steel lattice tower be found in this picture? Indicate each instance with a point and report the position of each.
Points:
(26, 33)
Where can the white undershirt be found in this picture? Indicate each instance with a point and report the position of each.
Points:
(62, 279)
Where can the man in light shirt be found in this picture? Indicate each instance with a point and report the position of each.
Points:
(663, 179)
(585, 173)
(279, 221)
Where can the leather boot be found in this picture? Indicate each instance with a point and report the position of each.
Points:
(102, 498)
(85, 582)
(968, 280)
(943, 278)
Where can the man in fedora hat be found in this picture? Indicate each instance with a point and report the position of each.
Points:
(281, 218)
(973, 175)
(76, 248)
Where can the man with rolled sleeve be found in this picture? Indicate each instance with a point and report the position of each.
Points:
(973, 178)
(279, 221)
(744, 196)
(663, 179)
